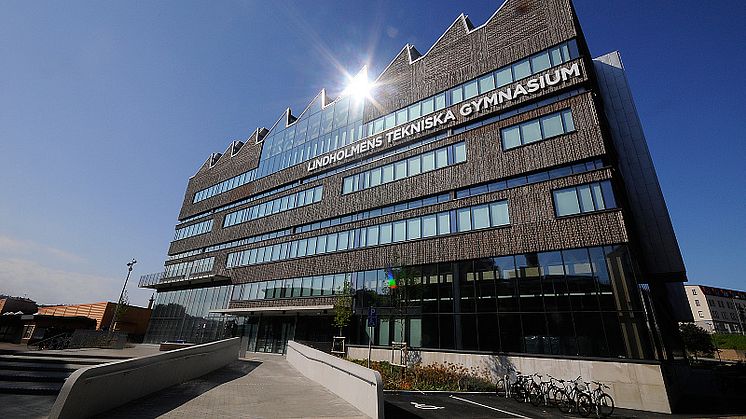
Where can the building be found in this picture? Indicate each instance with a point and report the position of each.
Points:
(10, 304)
(32, 328)
(134, 320)
(502, 177)
(717, 310)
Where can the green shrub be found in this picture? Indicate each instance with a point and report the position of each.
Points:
(442, 377)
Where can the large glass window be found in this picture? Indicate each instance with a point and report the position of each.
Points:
(538, 129)
(591, 197)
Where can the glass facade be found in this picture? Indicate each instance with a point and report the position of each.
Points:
(571, 302)
(189, 268)
(184, 315)
(316, 132)
(554, 303)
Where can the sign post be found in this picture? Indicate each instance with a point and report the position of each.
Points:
(372, 320)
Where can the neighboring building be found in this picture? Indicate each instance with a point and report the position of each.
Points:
(134, 321)
(31, 328)
(717, 310)
(505, 168)
(10, 304)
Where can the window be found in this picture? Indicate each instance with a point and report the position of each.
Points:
(583, 198)
(405, 168)
(696, 302)
(481, 216)
(463, 216)
(701, 315)
(528, 132)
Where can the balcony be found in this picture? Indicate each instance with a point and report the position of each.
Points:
(159, 280)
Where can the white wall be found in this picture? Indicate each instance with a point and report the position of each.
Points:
(96, 389)
(359, 386)
(633, 385)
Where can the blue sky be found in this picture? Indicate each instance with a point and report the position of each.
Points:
(107, 108)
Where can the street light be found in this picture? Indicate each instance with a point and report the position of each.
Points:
(121, 295)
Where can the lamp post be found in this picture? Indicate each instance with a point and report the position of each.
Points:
(121, 295)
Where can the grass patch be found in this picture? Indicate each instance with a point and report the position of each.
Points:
(442, 377)
(727, 341)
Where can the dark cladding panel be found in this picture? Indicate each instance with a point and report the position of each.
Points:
(660, 254)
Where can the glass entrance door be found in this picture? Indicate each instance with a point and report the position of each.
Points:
(274, 333)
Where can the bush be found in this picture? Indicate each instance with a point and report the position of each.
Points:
(443, 377)
(726, 341)
(696, 339)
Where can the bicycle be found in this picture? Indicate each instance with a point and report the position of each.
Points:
(521, 388)
(575, 398)
(603, 403)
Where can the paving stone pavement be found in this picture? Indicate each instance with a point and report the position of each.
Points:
(259, 386)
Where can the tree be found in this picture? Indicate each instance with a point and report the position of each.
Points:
(696, 339)
(120, 311)
(343, 307)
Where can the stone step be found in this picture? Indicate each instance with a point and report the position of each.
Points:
(54, 359)
(67, 353)
(39, 366)
(29, 387)
(35, 376)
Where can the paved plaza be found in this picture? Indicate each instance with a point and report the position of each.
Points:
(259, 386)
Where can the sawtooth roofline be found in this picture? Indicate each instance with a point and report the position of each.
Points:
(413, 55)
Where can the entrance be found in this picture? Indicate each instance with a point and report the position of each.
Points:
(270, 334)
(273, 334)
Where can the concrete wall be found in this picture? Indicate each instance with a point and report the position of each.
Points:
(99, 388)
(633, 385)
(359, 386)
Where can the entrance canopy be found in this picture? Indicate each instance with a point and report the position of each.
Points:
(317, 309)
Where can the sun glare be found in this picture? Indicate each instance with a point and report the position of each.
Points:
(359, 87)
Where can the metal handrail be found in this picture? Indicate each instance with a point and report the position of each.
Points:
(38, 345)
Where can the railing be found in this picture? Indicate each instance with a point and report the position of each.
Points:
(61, 341)
(151, 279)
(154, 279)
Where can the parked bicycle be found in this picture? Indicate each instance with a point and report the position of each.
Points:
(603, 403)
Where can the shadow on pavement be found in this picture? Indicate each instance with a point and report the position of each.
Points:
(166, 400)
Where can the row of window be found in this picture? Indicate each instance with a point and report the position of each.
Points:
(460, 220)
(499, 185)
(538, 129)
(189, 268)
(411, 204)
(285, 203)
(183, 255)
(542, 176)
(580, 199)
(249, 240)
(376, 212)
(193, 230)
(567, 280)
(224, 186)
(292, 287)
(413, 166)
(505, 75)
